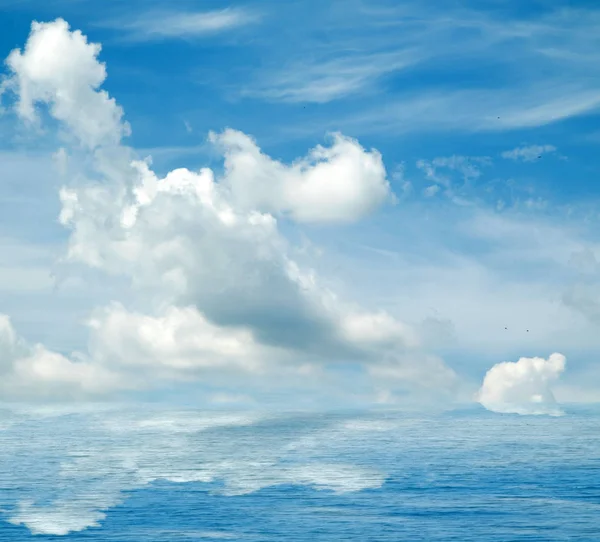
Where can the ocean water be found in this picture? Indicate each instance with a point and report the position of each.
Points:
(163, 475)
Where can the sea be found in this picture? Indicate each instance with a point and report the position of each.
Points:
(133, 474)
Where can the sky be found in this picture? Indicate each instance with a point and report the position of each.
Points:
(300, 205)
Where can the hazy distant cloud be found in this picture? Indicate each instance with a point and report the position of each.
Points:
(522, 387)
(584, 298)
(529, 153)
(584, 260)
(160, 25)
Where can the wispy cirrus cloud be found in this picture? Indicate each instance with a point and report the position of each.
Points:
(406, 68)
(318, 81)
(474, 110)
(162, 25)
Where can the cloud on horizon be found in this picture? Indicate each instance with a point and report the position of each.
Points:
(523, 387)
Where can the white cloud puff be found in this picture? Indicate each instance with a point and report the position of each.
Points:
(523, 387)
(181, 340)
(33, 372)
(340, 183)
(60, 68)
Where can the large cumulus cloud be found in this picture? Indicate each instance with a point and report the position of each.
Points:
(227, 293)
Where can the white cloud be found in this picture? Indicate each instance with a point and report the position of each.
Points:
(11, 346)
(528, 154)
(160, 25)
(472, 110)
(227, 293)
(369, 53)
(469, 167)
(60, 68)
(522, 387)
(321, 81)
(182, 237)
(33, 372)
(180, 341)
(341, 183)
(431, 190)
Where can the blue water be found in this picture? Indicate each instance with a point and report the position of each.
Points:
(151, 475)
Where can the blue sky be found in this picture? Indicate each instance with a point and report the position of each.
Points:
(485, 117)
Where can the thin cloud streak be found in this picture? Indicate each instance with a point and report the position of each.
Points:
(449, 69)
(529, 153)
(160, 25)
(321, 82)
(475, 110)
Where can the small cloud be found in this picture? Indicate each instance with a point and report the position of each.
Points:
(522, 387)
(467, 167)
(529, 153)
(161, 25)
(188, 127)
(431, 191)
